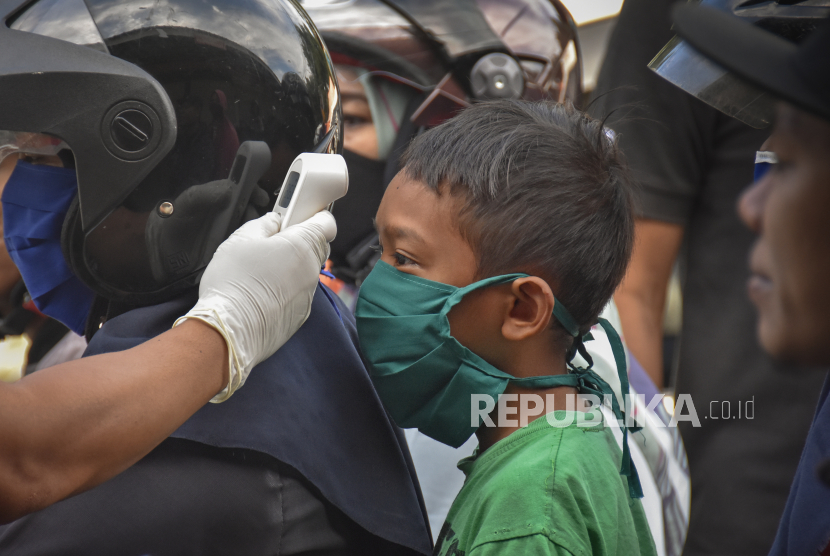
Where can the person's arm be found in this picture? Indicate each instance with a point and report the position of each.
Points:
(70, 427)
(666, 136)
(641, 297)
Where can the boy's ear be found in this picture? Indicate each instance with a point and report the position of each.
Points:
(532, 309)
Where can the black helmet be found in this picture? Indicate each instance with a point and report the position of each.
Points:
(682, 65)
(250, 86)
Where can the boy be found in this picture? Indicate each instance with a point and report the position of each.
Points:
(506, 187)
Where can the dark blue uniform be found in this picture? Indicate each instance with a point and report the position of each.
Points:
(302, 459)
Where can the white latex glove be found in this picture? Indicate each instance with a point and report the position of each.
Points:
(257, 290)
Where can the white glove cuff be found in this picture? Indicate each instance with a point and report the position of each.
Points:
(211, 318)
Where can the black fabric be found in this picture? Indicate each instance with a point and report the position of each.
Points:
(48, 335)
(311, 406)
(356, 211)
(15, 321)
(408, 131)
(692, 162)
(189, 498)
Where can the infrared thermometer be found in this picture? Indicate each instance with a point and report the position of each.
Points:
(314, 181)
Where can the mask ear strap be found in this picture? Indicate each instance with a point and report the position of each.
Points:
(635, 490)
(569, 323)
(565, 319)
(627, 468)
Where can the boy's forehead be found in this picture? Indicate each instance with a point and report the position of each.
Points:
(412, 210)
(396, 231)
(411, 201)
(416, 222)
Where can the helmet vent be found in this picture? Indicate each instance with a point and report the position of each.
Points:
(130, 130)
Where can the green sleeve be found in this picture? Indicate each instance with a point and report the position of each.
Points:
(538, 545)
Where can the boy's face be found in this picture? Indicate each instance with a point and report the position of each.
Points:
(418, 235)
(790, 261)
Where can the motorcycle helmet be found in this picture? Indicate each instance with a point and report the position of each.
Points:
(679, 63)
(182, 118)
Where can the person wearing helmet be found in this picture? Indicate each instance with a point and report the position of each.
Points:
(693, 162)
(49, 341)
(787, 210)
(114, 419)
(396, 81)
(178, 123)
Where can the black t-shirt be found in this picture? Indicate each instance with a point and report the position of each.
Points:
(692, 162)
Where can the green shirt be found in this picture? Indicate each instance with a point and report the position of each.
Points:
(547, 490)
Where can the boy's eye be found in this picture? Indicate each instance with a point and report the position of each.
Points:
(402, 260)
(397, 258)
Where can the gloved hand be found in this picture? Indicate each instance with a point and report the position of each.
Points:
(257, 290)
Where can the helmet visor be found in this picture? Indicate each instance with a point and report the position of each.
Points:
(23, 142)
(68, 20)
(680, 64)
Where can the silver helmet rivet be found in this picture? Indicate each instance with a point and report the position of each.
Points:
(166, 208)
(497, 75)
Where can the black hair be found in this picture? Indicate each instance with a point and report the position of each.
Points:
(543, 189)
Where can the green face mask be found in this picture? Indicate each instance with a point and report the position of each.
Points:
(426, 378)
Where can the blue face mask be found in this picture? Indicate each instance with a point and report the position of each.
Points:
(35, 202)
